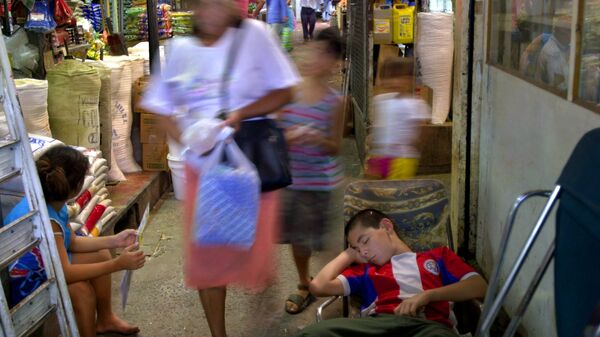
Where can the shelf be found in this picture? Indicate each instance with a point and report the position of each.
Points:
(77, 47)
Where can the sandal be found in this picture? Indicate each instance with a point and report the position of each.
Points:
(301, 302)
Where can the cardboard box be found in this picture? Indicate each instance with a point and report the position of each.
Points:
(151, 131)
(154, 157)
(139, 87)
(425, 93)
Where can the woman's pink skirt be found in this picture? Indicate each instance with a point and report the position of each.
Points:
(216, 266)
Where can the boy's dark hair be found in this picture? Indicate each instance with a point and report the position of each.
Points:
(62, 170)
(367, 218)
(397, 66)
(335, 44)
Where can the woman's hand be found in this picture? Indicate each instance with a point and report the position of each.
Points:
(125, 238)
(234, 119)
(131, 258)
(413, 305)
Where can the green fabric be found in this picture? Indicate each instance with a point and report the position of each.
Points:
(382, 325)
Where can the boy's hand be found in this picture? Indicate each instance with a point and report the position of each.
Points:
(125, 238)
(355, 256)
(131, 258)
(412, 306)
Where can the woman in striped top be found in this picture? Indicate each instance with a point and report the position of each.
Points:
(313, 129)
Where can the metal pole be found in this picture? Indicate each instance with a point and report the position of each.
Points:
(153, 44)
(120, 15)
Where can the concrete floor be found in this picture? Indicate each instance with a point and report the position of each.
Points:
(161, 305)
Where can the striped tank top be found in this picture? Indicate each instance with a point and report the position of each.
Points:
(312, 169)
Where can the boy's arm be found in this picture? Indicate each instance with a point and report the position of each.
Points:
(326, 282)
(467, 289)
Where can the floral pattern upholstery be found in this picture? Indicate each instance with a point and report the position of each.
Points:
(418, 207)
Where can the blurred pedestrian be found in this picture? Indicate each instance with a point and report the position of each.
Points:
(308, 13)
(203, 72)
(313, 128)
(277, 14)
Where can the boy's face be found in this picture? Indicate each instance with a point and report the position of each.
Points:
(374, 244)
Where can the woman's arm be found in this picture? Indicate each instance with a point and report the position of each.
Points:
(269, 103)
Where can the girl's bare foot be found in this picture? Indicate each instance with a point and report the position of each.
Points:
(117, 325)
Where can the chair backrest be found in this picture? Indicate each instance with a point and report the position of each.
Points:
(418, 207)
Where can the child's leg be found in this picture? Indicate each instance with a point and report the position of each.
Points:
(213, 302)
(301, 259)
(107, 321)
(83, 299)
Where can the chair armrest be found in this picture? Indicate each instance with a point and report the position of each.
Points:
(467, 314)
(323, 306)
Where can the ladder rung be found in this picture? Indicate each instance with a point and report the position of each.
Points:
(7, 157)
(9, 175)
(17, 238)
(32, 311)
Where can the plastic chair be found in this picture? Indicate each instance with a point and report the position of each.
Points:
(418, 207)
(575, 248)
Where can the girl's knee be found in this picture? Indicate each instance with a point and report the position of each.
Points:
(104, 255)
(83, 296)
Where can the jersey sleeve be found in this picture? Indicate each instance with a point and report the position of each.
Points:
(452, 268)
(352, 279)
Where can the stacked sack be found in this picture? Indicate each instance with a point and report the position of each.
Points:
(123, 69)
(73, 100)
(141, 50)
(92, 209)
(33, 96)
(434, 56)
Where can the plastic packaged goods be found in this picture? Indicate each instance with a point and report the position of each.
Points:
(40, 18)
(434, 57)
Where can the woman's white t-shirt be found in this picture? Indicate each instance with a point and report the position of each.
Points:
(190, 82)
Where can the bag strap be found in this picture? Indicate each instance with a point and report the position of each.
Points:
(231, 57)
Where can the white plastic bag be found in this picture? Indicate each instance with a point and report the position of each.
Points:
(227, 198)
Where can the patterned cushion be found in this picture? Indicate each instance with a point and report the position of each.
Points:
(418, 207)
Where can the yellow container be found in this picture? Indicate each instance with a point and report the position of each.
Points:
(403, 23)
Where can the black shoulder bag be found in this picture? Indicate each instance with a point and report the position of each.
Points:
(260, 139)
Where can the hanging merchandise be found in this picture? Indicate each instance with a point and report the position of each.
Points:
(434, 56)
(73, 98)
(93, 12)
(62, 13)
(403, 17)
(23, 55)
(122, 118)
(40, 19)
(33, 96)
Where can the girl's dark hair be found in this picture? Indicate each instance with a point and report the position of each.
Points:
(62, 170)
(367, 218)
(335, 44)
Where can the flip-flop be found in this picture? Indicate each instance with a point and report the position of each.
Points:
(300, 301)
